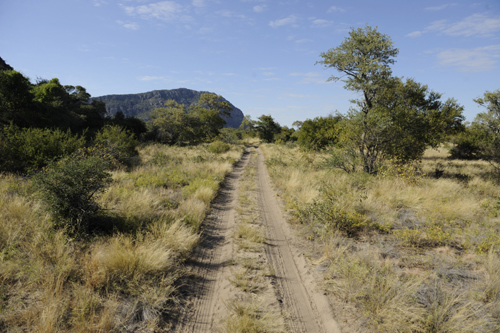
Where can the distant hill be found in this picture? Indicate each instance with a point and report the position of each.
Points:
(139, 105)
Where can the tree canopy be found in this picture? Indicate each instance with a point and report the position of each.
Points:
(393, 117)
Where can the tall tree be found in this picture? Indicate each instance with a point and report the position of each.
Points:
(16, 98)
(392, 118)
(364, 58)
(489, 124)
(267, 128)
(210, 109)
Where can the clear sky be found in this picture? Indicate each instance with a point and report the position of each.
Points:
(258, 54)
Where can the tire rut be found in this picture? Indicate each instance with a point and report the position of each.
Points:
(212, 257)
(307, 309)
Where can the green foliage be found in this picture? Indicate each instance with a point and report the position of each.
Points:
(285, 135)
(16, 99)
(68, 106)
(69, 187)
(430, 234)
(218, 147)
(230, 135)
(488, 125)
(393, 118)
(132, 124)
(318, 133)
(468, 144)
(267, 128)
(346, 159)
(118, 142)
(364, 57)
(177, 124)
(22, 149)
(410, 172)
(332, 216)
(172, 124)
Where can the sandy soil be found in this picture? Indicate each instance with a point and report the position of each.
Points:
(304, 306)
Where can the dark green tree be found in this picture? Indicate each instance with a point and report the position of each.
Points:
(174, 124)
(392, 118)
(489, 124)
(210, 109)
(267, 128)
(16, 100)
(318, 133)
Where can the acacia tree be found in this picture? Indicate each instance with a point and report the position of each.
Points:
(364, 58)
(488, 123)
(392, 118)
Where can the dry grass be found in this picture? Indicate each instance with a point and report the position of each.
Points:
(123, 279)
(249, 316)
(426, 259)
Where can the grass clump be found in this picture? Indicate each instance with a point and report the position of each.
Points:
(249, 317)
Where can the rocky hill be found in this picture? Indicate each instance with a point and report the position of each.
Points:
(139, 105)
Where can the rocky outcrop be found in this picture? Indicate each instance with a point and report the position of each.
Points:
(139, 105)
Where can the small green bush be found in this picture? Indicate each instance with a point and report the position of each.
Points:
(468, 145)
(69, 187)
(230, 135)
(218, 147)
(22, 149)
(328, 214)
(118, 142)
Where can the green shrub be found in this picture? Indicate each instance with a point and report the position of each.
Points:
(331, 216)
(230, 135)
(118, 142)
(69, 187)
(468, 145)
(218, 147)
(22, 149)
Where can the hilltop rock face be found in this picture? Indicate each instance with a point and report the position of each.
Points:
(139, 105)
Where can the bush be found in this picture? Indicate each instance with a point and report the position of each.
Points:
(468, 145)
(118, 142)
(69, 187)
(331, 216)
(218, 147)
(230, 135)
(22, 149)
(346, 159)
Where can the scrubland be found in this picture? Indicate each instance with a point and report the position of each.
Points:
(123, 277)
(413, 249)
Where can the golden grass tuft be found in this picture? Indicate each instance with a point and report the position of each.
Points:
(250, 317)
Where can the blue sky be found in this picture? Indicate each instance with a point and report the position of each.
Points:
(258, 54)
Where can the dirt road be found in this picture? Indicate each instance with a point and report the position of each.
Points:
(303, 305)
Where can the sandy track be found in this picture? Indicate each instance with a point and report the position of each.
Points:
(305, 308)
(211, 259)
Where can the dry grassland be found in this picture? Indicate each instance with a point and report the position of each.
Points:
(409, 250)
(124, 278)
